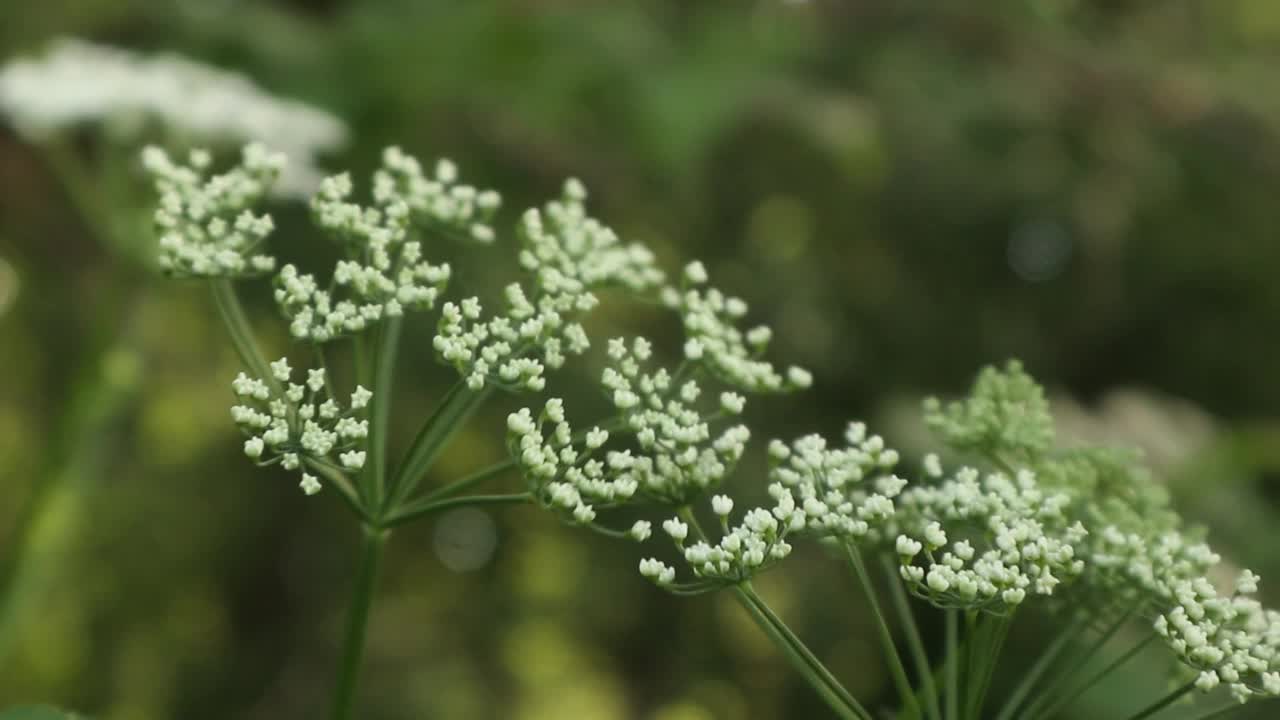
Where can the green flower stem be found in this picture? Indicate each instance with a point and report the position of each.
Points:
(968, 672)
(919, 656)
(344, 693)
(896, 668)
(989, 659)
(953, 651)
(384, 366)
(1164, 702)
(470, 481)
(1050, 694)
(458, 405)
(1042, 664)
(232, 313)
(802, 660)
(338, 481)
(422, 507)
(1080, 689)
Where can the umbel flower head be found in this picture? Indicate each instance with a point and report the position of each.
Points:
(205, 221)
(384, 273)
(1088, 520)
(570, 256)
(77, 84)
(299, 425)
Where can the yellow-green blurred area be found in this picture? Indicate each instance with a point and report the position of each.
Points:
(905, 190)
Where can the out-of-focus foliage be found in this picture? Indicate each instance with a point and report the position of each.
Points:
(906, 191)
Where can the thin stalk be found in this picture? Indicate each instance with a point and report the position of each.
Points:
(1164, 702)
(1080, 689)
(458, 405)
(990, 659)
(414, 510)
(384, 366)
(971, 629)
(896, 668)
(919, 656)
(470, 481)
(802, 660)
(1050, 693)
(953, 650)
(232, 313)
(338, 481)
(1041, 665)
(344, 694)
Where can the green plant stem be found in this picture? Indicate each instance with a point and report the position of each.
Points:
(1050, 694)
(344, 694)
(990, 658)
(896, 668)
(1042, 664)
(233, 317)
(953, 650)
(919, 656)
(1164, 702)
(338, 481)
(420, 508)
(1083, 687)
(802, 660)
(458, 405)
(470, 481)
(384, 366)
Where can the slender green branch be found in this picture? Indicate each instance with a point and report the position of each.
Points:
(802, 660)
(953, 650)
(990, 658)
(919, 656)
(470, 481)
(338, 481)
(384, 365)
(1111, 667)
(344, 694)
(896, 668)
(420, 508)
(1042, 664)
(458, 405)
(1164, 702)
(1051, 693)
(232, 313)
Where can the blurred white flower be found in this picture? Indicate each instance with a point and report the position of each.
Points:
(78, 83)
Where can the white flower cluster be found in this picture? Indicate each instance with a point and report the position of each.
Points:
(744, 550)
(385, 274)
(1005, 417)
(569, 255)
(716, 343)
(439, 203)
(206, 224)
(680, 458)
(1229, 639)
(562, 469)
(843, 491)
(78, 83)
(301, 424)
(986, 542)
(569, 252)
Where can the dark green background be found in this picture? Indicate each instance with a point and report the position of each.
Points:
(906, 190)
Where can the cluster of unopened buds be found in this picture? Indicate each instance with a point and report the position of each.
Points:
(298, 425)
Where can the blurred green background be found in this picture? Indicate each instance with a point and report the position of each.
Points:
(906, 190)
